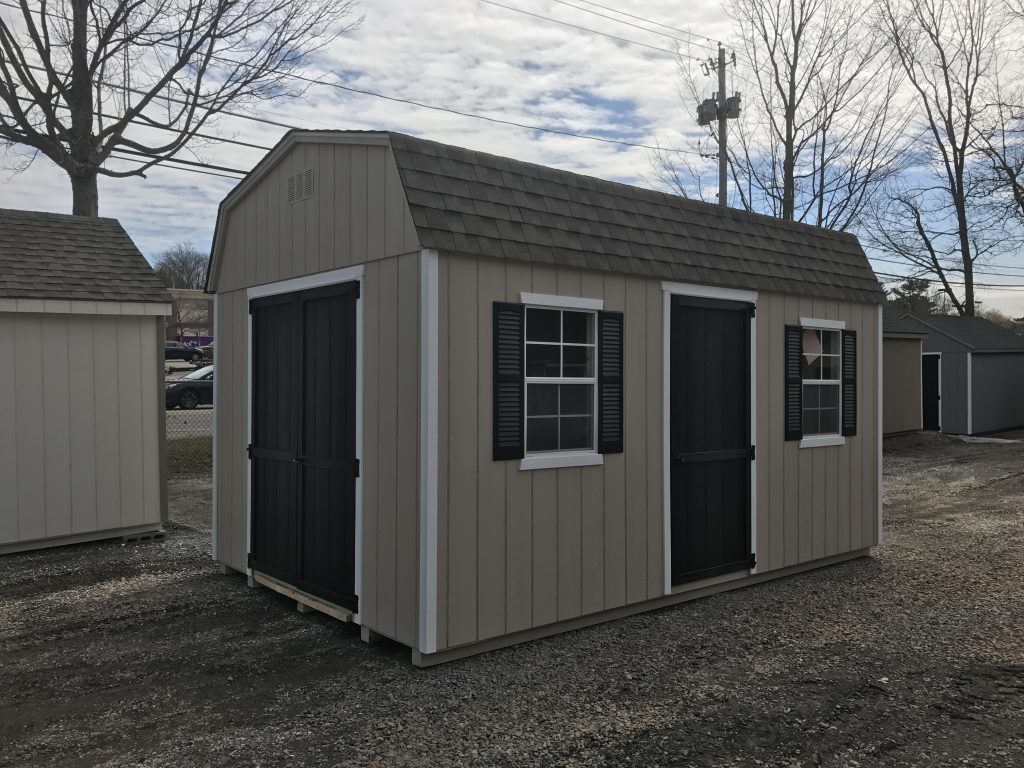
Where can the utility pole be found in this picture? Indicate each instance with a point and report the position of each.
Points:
(723, 109)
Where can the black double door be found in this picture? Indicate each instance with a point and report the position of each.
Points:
(303, 452)
(710, 448)
(930, 391)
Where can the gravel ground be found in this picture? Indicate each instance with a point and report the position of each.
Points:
(143, 655)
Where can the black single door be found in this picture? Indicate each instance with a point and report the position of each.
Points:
(304, 440)
(710, 449)
(930, 391)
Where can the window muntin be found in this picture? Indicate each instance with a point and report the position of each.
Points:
(821, 364)
(561, 383)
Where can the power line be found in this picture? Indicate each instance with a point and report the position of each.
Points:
(651, 21)
(582, 29)
(410, 102)
(163, 164)
(630, 24)
(986, 286)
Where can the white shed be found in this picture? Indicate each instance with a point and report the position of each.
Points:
(81, 383)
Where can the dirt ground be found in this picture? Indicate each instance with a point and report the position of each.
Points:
(142, 654)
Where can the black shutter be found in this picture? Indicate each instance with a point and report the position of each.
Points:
(794, 394)
(849, 383)
(509, 383)
(609, 382)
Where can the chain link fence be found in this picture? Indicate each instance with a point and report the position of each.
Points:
(190, 442)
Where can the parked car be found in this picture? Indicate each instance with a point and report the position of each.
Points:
(175, 350)
(207, 351)
(191, 390)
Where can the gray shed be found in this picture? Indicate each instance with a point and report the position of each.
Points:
(466, 401)
(972, 374)
(902, 409)
(81, 387)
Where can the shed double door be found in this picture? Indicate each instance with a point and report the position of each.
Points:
(303, 452)
(709, 437)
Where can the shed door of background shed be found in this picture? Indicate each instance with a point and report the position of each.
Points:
(710, 437)
(303, 452)
(930, 402)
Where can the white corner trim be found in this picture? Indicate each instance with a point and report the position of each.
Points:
(878, 416)
(564, 302)
(970, 394)
(709, 292)
(666, 484)
(564, 459)
(248, 437)
(305, 282)
(357, 581)
(217, 410)
(814, 322)
(822, 441)
(428, 450)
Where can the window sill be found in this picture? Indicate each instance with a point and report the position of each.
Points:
(555, 460)
(820, 441)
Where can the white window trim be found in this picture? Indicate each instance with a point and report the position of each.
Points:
(821, 441)
(824, 441)
(558, 459)
(815, 323)
(570, 458)
(561, 302)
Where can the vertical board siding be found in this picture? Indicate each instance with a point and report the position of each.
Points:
(522, 549)
(389, 460)
(79, 444)
(357, 214)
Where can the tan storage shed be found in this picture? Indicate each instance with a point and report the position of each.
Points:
(466, 401)
(81, 384)
(902, 404)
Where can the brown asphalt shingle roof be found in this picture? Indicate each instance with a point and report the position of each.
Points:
(479, 204)
(54, 256)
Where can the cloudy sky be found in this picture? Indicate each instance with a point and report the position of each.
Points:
(468, 55)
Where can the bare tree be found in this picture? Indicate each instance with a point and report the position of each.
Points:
(182, 266)
(820, 129)
(949, 222)
(77, 75)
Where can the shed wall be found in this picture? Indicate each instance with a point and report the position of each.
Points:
(997, 386)
(81, 422)
(357, 213)
(388, 456)
(524, 549)
(901, 387)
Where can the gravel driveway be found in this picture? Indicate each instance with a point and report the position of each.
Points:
(143, 655)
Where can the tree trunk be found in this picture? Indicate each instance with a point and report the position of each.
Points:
(85, 194)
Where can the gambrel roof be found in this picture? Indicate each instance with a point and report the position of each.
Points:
(474, 203)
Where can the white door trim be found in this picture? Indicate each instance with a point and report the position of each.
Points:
(669, 290)
(333, 277)
(428, 450)
(970, 393)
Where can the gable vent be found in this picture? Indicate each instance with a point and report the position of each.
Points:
(300, 186)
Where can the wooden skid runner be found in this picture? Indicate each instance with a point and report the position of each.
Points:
(303, 598)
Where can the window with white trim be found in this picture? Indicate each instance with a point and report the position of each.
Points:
(561, 380)
(821, 376)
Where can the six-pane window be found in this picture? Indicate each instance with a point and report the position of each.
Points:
(561, 382)
(821, 373)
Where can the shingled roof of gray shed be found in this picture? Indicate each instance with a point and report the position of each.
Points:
(977, 333)
(55, 256)
(480, 204)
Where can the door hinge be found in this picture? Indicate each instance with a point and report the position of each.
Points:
(248, 560)
(355, 466)
(357, 288)
(753, 560)
(248, 451)
(752, 453)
